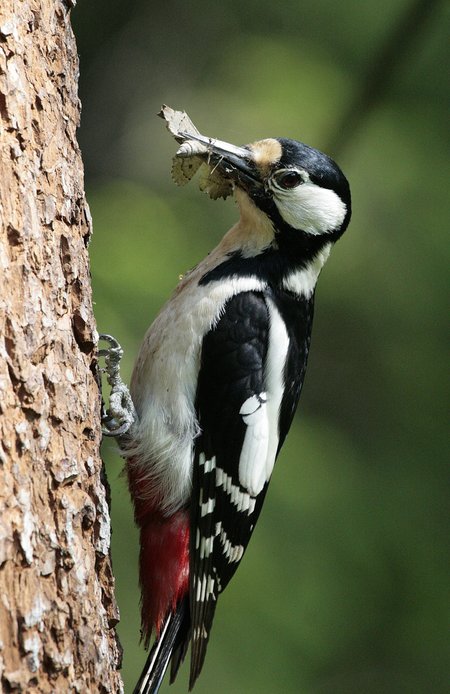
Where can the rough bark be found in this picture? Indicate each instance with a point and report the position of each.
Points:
(57, 608)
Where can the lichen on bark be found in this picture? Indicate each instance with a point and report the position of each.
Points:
(57, 606)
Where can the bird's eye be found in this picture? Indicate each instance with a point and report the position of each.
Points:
(288, 179)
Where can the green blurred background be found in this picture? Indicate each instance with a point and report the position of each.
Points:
(344, 588)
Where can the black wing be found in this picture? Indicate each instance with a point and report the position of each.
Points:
(238, 426)
(231, 372)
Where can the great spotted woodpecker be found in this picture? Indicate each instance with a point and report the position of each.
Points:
(216, 385)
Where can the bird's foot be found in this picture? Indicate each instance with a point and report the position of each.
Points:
(120, 416)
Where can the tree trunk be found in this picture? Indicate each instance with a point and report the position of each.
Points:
(57, 607)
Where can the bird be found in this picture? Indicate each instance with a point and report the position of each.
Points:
(216, 384)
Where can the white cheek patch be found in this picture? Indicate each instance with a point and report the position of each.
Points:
(311, 209)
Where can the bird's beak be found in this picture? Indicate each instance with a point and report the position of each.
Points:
(236, 163)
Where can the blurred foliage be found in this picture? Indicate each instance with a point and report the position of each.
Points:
(345, 585)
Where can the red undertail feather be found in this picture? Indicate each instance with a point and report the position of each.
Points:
(164, 568)
(163, 562)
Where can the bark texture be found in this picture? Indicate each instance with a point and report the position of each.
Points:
(57, 608)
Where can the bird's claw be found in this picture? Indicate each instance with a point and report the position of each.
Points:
(120, 416)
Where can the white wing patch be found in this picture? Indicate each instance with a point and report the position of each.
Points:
(261, 412)
(256, 443)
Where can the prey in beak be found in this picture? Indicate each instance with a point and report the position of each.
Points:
(221, 165)
(233, 163)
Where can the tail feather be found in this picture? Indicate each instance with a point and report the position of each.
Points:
(161, 653)
(179, 652)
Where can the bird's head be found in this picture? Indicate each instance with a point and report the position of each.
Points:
(298, 187)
